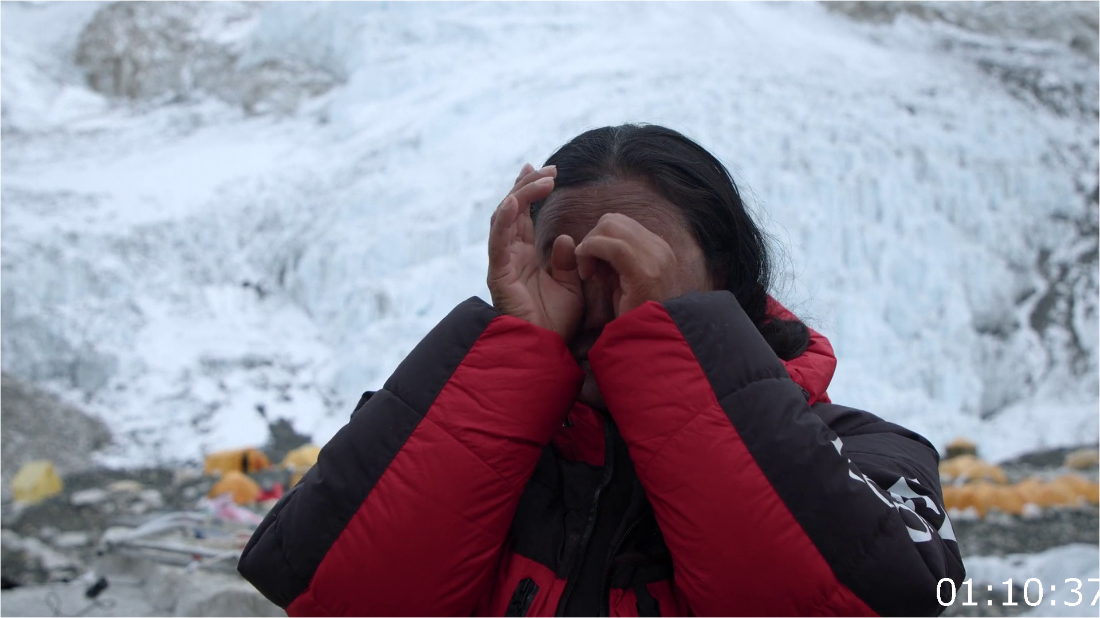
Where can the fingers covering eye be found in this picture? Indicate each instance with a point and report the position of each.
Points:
(614, 251)
(563, 254)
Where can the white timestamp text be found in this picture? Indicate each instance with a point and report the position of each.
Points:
(1033, 588)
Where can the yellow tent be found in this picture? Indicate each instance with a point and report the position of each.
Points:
(35, 481)
(1082, 459)
(970, 468)
(246, 460)
(1046, 494)
(302, 458)
(961, 446)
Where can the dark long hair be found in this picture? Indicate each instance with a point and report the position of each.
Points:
(685, 174)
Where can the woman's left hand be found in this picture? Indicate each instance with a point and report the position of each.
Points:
(646, 266)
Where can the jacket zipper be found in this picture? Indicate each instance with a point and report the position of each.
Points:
(522, 598)
(590, 526)
(605, 588)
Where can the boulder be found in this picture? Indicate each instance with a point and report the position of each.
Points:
(155, 51)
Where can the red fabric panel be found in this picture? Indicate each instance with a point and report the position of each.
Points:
(427, 540)
(735, 546)
(521, 392)
(813, 369)
(623, 602)
(584, 439)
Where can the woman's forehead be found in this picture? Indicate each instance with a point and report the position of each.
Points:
(576, 210)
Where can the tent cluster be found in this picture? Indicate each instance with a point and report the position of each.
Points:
(971, 485)
(238, 468)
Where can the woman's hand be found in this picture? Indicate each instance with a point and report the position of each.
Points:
(549, 297)
(646, 266)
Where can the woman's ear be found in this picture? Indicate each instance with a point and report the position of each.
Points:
(714, 281)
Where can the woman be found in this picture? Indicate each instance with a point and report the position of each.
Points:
(633, 428)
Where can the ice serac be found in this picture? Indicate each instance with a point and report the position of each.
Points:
(217, 216)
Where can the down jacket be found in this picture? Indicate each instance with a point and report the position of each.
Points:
(719, 481)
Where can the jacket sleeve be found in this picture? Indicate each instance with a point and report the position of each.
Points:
(407, 508)
(765, 509)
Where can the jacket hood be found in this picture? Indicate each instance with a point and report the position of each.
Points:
(813, 369)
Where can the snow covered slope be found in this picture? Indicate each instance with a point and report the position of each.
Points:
(215, 215)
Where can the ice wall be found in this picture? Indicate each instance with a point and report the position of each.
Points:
(191, 256)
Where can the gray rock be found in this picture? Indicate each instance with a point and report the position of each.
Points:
(1049, 528)
(125, 486)
(88, 497)
(70, 540)
(29, 560)
(1070, 23)
(69, 600)
(18, 565)
(151, 498)
(183, 592)
(233, 598)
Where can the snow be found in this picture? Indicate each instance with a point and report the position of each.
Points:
(1053, 567)
(174, 262)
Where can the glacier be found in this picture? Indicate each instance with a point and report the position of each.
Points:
(216, 215)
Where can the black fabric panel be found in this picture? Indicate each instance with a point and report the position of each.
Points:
(845, 421)
(421, 376)
(646, 604)
(362, 401)
(548, 524)
(585, 596)
(861, 537)
(553, 513)
(261, 532)
(581, 596)
(644, 557)
(285, 551)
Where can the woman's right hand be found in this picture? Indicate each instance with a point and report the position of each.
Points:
(548, 296)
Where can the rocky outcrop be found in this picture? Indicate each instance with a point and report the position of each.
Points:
(39, 426)
(1073, 24)
(159, 51)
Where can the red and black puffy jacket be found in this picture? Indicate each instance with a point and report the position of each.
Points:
(720, 481)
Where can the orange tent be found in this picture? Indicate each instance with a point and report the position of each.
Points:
(243, 489)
